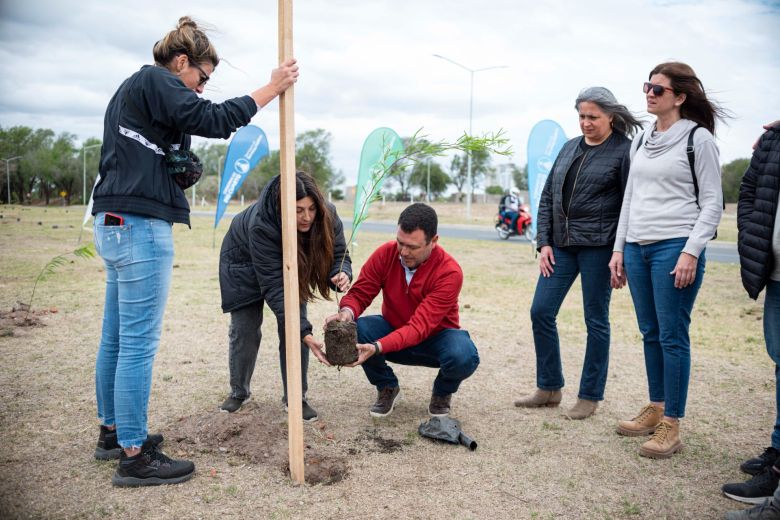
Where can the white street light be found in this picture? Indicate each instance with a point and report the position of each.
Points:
(470, 188)
(84, 178)
(8, 175)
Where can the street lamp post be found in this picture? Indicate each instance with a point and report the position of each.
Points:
(84, 171)
(470, 187)
(8, 175)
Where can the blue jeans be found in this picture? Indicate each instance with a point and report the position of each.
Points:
(772, 338)
(451, 351)
(139, 261)
(664, 316)
(593, 265)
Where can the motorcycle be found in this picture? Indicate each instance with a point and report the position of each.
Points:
(522, 228)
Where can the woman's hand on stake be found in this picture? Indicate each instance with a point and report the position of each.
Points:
(317, 349)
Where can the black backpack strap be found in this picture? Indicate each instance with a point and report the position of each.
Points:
(692, 162)
(147, 129)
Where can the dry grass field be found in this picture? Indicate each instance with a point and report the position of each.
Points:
(530, 464)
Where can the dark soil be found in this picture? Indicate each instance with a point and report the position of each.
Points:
(21, 316)
(259, 436)
(340, 342)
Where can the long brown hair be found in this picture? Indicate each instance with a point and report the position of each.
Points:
(315, 247)
(696, 106)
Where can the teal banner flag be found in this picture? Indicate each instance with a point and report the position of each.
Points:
(544, 143)
(380, 150)
(247, 147)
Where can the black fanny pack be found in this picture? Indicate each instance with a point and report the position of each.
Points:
(183, 165)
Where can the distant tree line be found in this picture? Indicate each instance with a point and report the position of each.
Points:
(45, 168)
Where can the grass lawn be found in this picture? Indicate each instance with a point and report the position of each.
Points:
(533, 464)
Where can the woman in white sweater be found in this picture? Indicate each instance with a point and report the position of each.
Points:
(671, 209)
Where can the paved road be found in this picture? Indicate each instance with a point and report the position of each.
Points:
(723, 252)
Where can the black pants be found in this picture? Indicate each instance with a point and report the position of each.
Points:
(245, 335)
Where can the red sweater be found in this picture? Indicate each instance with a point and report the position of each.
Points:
(416, 311)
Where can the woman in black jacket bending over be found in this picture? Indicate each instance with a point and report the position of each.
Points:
(135, 204)
(250, 274)
(577, 220)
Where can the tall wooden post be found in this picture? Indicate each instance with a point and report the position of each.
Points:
(292, 325)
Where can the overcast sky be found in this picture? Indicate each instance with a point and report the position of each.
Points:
(366, 64)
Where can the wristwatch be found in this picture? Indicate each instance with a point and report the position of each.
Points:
(377, 350)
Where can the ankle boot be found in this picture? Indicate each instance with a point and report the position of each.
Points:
(642, 424)
(583, 409)
(664, 443)
(539, 398)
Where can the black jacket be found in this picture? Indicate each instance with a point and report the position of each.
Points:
(250, 261)
(132, 168)
(756, 213)
(592, 216)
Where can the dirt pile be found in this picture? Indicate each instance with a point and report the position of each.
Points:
(259, 436)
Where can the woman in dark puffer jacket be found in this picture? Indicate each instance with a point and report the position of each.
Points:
(578, 216)
(250, 275)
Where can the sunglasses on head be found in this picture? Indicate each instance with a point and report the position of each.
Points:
(658, 90)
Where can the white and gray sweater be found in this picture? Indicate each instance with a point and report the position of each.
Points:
(660, 200)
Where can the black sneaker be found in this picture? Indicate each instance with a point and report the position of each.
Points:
(755, 490)
(385, 401)
(309, 413)
(440, 405)
(108, 447)
(755, 465)
(233, 404)
(764, 511)
(151, 467)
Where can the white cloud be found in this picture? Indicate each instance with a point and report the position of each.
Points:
(370, 64)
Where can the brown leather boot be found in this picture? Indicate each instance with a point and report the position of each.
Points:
(642, 424)
(583, 409)
(540, 398)
(664, 443)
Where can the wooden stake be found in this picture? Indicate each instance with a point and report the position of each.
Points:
(292, 325)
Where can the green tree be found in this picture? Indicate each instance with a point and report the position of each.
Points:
(520, 175)
(480, 168)
(439, 178)
(23, 141)
(731, 178)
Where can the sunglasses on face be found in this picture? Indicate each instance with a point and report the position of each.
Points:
(658, 90)
(203, 76)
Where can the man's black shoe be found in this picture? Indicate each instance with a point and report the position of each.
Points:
(755, 490)
(151, 467)
(755, 465)
(385, 401)
(108, 447)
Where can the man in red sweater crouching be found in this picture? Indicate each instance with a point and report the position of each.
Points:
(419, 324)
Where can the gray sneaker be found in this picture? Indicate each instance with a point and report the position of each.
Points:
(233, 404)
(440, 405)
(763, 511)
(385, 401)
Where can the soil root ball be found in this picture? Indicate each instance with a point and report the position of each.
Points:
(340, 342)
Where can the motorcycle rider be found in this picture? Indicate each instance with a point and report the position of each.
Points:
(510, 208)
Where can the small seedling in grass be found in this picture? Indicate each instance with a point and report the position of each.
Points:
(86, 251)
